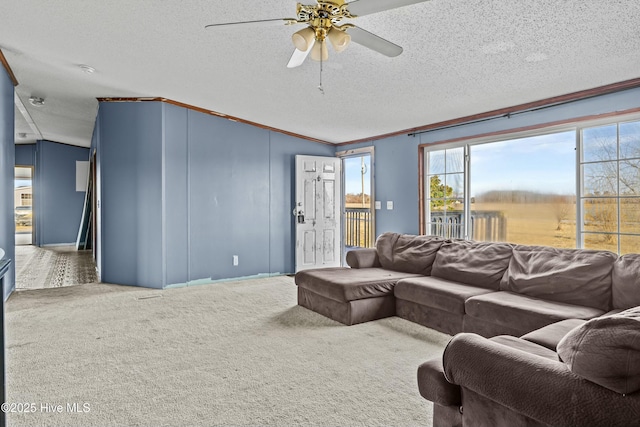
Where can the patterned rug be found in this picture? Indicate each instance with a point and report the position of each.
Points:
(53, 267)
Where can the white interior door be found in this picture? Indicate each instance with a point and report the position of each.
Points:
(317, 212)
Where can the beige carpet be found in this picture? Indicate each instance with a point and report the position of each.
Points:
(52, 267)
(236, 353)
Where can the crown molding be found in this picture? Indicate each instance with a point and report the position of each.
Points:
(6, 66)
(215, 113)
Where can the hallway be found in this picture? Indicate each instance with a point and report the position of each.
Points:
(53, 267)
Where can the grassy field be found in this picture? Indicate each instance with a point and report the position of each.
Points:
(23, 229)
(536, 223)
(553, 224)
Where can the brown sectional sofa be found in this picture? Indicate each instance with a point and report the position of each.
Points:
(577, 313)
(464, 286)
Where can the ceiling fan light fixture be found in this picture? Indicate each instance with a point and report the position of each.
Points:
(319, 51)
(303, 39)
(339, 39)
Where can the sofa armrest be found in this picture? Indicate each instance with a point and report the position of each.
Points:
(537, 387)
(434, 386)
(363, 258)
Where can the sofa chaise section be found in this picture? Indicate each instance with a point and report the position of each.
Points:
(349, 295)
(365, 291)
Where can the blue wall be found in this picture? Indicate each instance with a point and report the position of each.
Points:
(57, 204)
(25, 154)
(130, 167)
(210, 188)
(7, 162)
(396, 158)
(177, 209)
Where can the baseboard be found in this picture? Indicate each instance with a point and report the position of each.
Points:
(208, 281)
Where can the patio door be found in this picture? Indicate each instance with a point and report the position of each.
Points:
(23, 205)
(317, 212)
(358, 213)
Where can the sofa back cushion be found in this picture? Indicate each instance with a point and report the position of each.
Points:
(473, 263)
(625, 278)
(572, 276)
(606, 351)
(407, 253)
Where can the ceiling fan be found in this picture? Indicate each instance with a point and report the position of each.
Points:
(323, 21)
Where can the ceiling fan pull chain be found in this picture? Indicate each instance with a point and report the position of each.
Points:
(320, 88)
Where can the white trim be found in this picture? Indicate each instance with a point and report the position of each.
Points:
(357, 152)
(576, 126)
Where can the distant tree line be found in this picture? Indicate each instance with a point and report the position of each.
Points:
(357, 198)
(522, 196)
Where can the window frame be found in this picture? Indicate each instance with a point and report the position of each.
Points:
(576, 125)
(580, 224)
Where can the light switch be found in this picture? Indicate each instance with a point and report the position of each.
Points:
(389, 205)
(378, 204)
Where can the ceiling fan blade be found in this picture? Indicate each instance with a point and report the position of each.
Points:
(366, 7)
(373, 42)
(299, 56)
(258, 23)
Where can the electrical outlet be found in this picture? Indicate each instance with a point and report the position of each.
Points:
(235, 260)
(390, 205)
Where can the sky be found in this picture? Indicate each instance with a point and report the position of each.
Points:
(353, 175)
(543, 163)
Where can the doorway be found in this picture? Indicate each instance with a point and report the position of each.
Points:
(23, 205)
(317, 212)
(358, 215)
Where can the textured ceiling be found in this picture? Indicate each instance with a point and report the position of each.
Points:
(461, 57)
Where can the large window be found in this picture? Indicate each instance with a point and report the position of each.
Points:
(610, 193)
(524, 190)
(575, 187)
(445, 194)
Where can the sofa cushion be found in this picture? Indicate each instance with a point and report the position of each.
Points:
(407, 253)
(348, 284)
(606, 351)
(625, 286)
(550, 335)
(473, 263)
(526, 346)
(438, 293)
(573, 276)
(523, 312)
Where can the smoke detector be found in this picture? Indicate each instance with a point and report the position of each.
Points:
(36, 101)
(87, 69)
